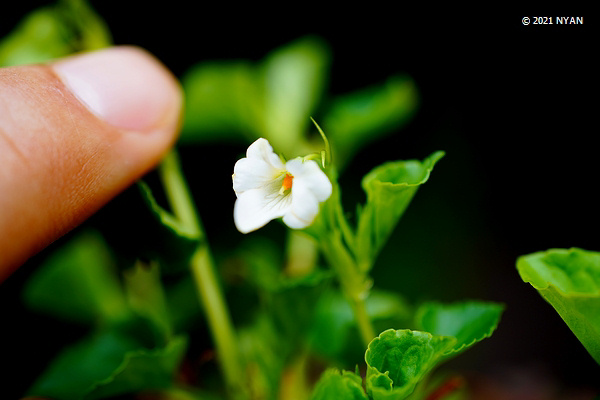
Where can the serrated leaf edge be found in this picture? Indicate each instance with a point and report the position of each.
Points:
(413, 382)
(486, 335)
(432, 159)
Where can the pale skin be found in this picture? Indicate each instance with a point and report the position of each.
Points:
(73, 134)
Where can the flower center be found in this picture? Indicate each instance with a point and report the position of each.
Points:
(287, 182)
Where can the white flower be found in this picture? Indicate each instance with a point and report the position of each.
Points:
(267, 189)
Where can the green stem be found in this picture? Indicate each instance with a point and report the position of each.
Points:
(178, 194)
(355, 285)
(219, 321)
(367, 332)
(354, 281)
(301, 254)
(203, 272)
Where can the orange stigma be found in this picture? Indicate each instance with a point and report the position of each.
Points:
(287, 182)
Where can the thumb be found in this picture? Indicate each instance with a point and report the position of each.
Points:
(73, 134)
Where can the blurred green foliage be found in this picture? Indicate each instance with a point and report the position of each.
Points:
(131, 345)
(333, 333)
(110, 363)
(275, 98)
(54, 31)
(137, 227)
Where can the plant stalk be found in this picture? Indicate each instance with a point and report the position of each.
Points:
(336, 239)
(354, 284)
(203, 272)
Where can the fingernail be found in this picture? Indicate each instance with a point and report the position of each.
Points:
(125, 86)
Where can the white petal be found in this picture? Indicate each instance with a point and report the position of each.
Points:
(254, 208)
(304, 209)
(262, 150)
(311, 176)
(252, 173)
(294, 222)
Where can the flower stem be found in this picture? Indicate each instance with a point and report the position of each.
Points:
(335, 238)
(301, 254)
(203, 272)
(367, 332)
(354, 284)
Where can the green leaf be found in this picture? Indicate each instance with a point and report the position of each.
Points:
(109, 363)
(300, 295)
(53, 32)
(570, 281)
(146, 296)
(363, 116)
(334, 385)
(79, 367)
(36, 39)
(186, 393)
(334, 332)
(280, 292)
(183, 313)
(137, 227)
(222, 101)
(265, 352)
(89, 31)
(390, 188)
(78, 282)
(468, 322)
(294, 79)
(143, 369)
(398, 359)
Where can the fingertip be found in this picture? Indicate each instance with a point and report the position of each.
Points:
(125, 86)
(74, 134)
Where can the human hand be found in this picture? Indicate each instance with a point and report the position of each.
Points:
(73, 134)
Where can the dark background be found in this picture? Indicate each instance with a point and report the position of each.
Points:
(510, 104)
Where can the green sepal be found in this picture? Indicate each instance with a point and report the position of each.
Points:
(570, 281)
(336, 385)
(468, 322)
(360, 117)
(325, 154)
(53, 32)
(389, 187)
(398, 359)
(78, 282)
